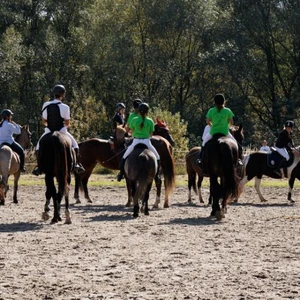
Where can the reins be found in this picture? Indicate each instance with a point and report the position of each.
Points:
(104, 161)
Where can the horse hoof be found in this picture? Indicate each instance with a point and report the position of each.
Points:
(166, 205)
(45, 216)
(291, 200)
(219, 215)
(78, 201)
(68, 221)
(89, 201)
(54, 221)
(16, 201)
(147, 213)
(1, 202)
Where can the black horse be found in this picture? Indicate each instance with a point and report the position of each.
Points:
(140, 169)
(220, 160)
(55, 160)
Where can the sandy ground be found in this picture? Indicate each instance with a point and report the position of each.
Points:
(175, 253)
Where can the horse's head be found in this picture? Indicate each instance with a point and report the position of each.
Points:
(119, 139)
(238, 133)
(24, 138)
(161, 128)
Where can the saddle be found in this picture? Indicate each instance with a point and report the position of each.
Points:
(276, 161)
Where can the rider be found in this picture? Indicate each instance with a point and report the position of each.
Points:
(7, 129)
(119, 116)
(219, 118)
(284, 141)
(134, 113)
(142, 129)
(56, 117)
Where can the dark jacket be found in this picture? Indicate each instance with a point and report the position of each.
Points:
(284, 140)
(118, 118)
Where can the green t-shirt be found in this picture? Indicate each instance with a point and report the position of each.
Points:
(220, 120)
(131, 116)
(141, 133)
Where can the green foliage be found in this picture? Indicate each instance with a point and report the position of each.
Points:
(177, 127)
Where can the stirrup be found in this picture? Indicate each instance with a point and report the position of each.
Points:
(79, 169)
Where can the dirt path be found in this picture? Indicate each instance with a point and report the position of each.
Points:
(175, 253)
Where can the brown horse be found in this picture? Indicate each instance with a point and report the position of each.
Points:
(95, 151)
(10, 164)
(140, 169)
(193, 169)
(56, 158)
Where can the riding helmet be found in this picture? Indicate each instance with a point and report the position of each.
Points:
(143, 107)
(136, 103)
(219, 99)
(59, 90)
(120, 106)
(289, 123)
(6, 113)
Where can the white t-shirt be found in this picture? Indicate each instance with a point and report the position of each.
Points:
(265, 148)
(64, 109)
(6, 132)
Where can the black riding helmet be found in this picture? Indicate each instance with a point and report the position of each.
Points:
(120, 105)
(219, 99)
(289, 123)
(143, 107)
(6, 113)
(59, 90)
(136, 103)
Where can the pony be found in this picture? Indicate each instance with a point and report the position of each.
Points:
(56, 158)
(10, 164)
(140, 169)
(101, 151)
(257, 164)
(193, 169)
(220, 159)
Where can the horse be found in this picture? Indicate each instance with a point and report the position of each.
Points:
(257, 164)
(101, 151)
(220, 160)
(161, 129)
(10, 164)
(193, 169)
(140, 169)
(56, 158)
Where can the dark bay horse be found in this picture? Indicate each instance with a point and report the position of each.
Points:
(256, 165)
(161, 129)
(220, 160)
(94, 151)
(56, 159)
(140, 169)
(193, 169)
(10, 164)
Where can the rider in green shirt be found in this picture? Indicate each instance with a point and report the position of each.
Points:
(142, 129)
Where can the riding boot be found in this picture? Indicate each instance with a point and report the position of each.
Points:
(120, 176)
(22, 163)
(199, 160)
(36, 171)
(157, 176)
(78, 166)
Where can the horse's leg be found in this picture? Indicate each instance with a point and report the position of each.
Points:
(130, 193)
(199, 184)
(215, 190)
(52, 192)
(158, 193)
(257, 187)
(291, 185)
(242, 184)
(16, 181)
(76, 188)
(146, 198)
(67, 210)
(191, 183)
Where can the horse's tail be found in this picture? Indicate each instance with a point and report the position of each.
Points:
(168, 168)
(191, 173)
(144, 175)
(61, 164)
(229, 172)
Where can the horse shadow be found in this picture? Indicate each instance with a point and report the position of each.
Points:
(205, 221)
(262, 204)
(94, 209)
(20, 227)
